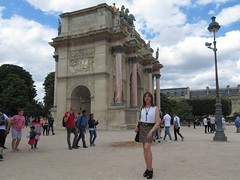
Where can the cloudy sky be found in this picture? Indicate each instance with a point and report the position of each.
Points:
(178, 28)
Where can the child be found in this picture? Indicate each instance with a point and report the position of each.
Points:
(38, 129)
(31, 136)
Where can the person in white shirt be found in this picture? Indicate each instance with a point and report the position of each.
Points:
(167, 122)
(148, 124)
(176, 122)
(212, 122)
(223, 122)
(205, 123)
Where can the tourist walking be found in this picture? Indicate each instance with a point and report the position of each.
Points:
(176, 123)
(69, 119)
(148, 124)
(17, 122)
(32, 135)
(4, 126)
(45, 126)
(81, 125)
(205, 123)
(237, 123)
(50, 124)
(38, 129)
(92, 123)
(208, 124)
(167, 123)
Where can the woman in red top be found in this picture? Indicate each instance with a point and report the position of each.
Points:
(69, 119)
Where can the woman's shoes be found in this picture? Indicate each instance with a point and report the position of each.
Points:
(145, 173)
(148, 174)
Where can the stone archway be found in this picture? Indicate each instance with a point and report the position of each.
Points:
(81, 99)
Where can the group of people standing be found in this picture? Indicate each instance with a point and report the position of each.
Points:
(16, 124)
(77, 125)
(209, 124)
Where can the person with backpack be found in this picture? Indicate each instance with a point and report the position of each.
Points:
(69, 122)
(4, 127)
(81, 125)
(176, 123)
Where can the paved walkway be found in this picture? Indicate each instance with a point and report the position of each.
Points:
(116, 157)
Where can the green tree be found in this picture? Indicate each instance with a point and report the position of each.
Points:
(49, 91)
(16, 88)
(183, 110)
(201, 107)
(167, 104)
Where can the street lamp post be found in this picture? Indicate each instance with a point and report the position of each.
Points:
(219, 135)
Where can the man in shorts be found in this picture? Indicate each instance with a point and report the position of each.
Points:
(17, 122)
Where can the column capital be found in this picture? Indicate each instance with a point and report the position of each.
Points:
(148, 70)
(134, 59)
(117, 49)
(157, 76)
(55, 58)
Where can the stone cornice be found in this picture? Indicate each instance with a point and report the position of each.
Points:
(87, 10)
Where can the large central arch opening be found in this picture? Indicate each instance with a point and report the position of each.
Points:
(81, 99)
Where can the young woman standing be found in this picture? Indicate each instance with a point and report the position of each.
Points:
(149, 123)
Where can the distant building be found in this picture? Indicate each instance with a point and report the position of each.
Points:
(232, 93)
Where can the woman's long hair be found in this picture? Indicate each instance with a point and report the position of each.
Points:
(151, 96)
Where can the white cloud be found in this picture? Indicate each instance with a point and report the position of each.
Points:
(205, 2)
(229, 15)
(25, 43)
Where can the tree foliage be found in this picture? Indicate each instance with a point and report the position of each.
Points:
(49, 91)
(167, 104)
(183, 110)
(201, 107)
(16, 88)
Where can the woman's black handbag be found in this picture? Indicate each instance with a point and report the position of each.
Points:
(137, 134)
(137, 137)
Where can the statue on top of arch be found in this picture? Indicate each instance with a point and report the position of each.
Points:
(123, 13)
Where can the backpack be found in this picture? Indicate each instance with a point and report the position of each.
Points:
(63, 123)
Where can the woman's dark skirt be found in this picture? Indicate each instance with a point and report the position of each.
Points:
(144, 130)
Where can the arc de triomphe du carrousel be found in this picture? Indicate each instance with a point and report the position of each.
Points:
(103, 66)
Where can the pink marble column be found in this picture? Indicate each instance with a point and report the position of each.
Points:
(150, 80)
(118, 83)
(134, 83)
(153, 84)
(158, 91)
(55, 80)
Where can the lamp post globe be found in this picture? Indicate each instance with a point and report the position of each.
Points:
(219, 135)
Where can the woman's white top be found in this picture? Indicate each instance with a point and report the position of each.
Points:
(148, 115)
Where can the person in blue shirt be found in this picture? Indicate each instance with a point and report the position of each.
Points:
(81, 124)
(237, 123)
